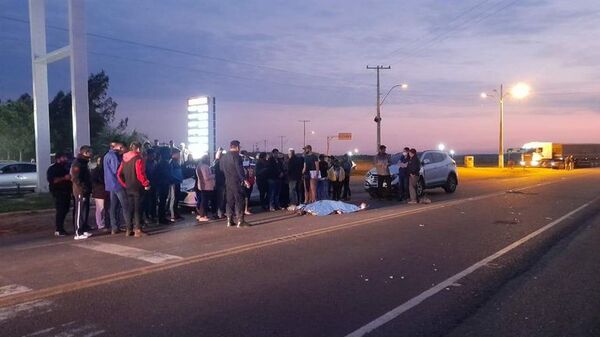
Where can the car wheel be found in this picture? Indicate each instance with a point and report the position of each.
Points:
(420, 187)
(451, 183)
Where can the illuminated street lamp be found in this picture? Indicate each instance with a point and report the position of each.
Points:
(519, 91)
(380, 102)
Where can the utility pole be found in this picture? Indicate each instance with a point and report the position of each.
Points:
(378, 117)
(304, 121)
(281, 138)
(329, 139)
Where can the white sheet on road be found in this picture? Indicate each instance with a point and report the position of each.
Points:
(326, 207)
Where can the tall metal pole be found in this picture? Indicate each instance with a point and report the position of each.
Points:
(304, 121)
(501, 143)
(378, 117)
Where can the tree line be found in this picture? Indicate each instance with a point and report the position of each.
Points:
(17, 134)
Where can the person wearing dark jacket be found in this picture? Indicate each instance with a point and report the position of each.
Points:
(347, 165)
(413, 169)
(231, 164)
(220, 194)
(175, 186)
(274, 180)
(132, 176)
(262, 179)
(99, 194)
(403, 175)
(162, 180)
(150, 196)
(82, 189)
(59, 181)
(294, 166)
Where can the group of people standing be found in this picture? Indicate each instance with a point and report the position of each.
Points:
(140, 185)
(134, 186)
(294, 179)
(409, 166)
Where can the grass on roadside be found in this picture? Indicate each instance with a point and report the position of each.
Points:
(25, 202)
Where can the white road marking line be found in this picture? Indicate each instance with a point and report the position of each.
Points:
(27, 308)
(413, 302)
(12, 289)
(134, 253)
(114, 277)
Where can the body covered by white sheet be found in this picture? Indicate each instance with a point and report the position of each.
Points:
(326, 207)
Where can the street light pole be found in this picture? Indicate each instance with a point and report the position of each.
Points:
(519, 91)
(501, 142)
(378, 117)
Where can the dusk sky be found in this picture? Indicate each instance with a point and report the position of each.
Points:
(272, 63)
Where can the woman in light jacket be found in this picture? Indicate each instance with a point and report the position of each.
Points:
(206, 185)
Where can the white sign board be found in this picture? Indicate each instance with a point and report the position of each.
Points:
(201, 126)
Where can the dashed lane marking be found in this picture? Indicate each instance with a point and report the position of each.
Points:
(132, 273)
(125, 251)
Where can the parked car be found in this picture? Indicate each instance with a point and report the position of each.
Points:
(438, 169)
(18, 176)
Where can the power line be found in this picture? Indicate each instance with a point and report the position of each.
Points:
(178, 51)
(420, 38)
(340, 89)
(444, 35)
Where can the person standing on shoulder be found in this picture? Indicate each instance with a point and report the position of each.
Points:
(59, 181)
(219, 185)
(118, 197)
(311, 175)
(206, 186)
(150, 197)
(100, 195)
(413, 169)
(262, 179)
(347, 165)
(161, 183)
(294, 177)
(382, 163)
(336, 176)
(82, 189)
(175, 186)
(403, 175)
(231, 164)
(132, 176)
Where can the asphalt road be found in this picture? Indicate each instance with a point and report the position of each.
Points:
(464, 265)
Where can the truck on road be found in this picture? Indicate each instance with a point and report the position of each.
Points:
(555, 155)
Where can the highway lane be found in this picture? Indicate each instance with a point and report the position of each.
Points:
(325, 284)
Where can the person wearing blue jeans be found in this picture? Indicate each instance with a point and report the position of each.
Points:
(323, 184)
(118, 197)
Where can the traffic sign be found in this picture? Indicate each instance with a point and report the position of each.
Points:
(344, 136)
